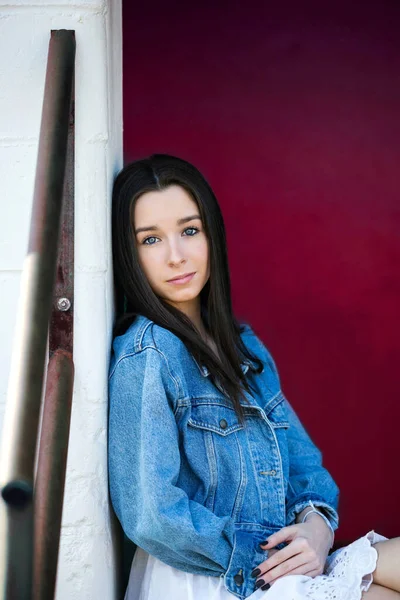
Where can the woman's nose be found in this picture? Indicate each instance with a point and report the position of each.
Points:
(176, 253)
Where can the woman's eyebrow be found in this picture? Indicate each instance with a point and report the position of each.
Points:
(179, 222)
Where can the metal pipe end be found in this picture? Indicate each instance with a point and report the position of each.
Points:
(17, 494)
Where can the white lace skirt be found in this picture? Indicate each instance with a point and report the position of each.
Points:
(347, 574)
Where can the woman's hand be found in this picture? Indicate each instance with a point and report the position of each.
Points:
(305, 554)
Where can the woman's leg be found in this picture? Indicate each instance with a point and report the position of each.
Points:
(378, 592)
(387, 572)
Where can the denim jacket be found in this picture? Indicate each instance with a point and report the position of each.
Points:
(189, 483)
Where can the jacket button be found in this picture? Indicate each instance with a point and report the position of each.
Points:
(223, 424)
(238, 579)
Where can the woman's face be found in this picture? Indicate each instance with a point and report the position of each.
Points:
(171, 242)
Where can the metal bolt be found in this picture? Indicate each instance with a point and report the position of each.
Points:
(63, 304)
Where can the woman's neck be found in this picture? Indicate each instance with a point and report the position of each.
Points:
(193, 311)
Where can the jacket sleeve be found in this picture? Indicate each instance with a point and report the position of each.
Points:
(308, 478)
(144, 464)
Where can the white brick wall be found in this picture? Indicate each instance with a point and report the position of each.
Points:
(87, 564)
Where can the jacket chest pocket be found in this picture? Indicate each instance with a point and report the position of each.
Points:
(218, 419)
(214, 439)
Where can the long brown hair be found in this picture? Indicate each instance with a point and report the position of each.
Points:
(134, 296)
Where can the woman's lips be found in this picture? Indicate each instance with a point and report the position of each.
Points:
(182, 280)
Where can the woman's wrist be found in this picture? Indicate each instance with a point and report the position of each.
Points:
(300, 516)
(309, 513)
(315, 515)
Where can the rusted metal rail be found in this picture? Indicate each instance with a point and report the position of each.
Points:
(30, 509)
(53, 445)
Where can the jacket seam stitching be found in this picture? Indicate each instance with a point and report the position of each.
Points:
(141, 334)
(305, 497)
(238, 504)
(210, 426)
(213, 466)
(130, 354)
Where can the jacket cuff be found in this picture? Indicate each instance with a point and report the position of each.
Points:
(302, 502)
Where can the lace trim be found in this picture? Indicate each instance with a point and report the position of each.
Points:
(347, 574)
(355, 562)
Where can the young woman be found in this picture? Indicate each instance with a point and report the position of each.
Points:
(211, 473)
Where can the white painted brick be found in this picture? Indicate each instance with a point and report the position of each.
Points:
(86, 504)
(17, 176)
(26, 37)
(79, 578)
(87, 561)
(86, 496)
(9, 293)
(51, 3)
(91, 210)
(90, 343)
(2, 410)
(17, 172)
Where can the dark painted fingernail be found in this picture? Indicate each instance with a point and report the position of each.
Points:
(264, 543)
(255, 573)
(259, 583)
(266, 586)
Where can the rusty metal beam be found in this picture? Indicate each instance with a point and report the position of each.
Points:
(50, 479)
(29, 351)
(62, 314)
(54, 435)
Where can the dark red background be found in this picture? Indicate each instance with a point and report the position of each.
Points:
(292, 114)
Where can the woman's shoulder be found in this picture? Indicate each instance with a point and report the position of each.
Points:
(246, 330)
(255, 344)
(144, 333)
(142, 353)
(250, 338)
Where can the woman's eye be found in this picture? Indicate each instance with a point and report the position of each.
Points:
(149, 243)
(195, 229)
(145, 241)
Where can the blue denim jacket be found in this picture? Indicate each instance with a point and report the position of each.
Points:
(188, 482)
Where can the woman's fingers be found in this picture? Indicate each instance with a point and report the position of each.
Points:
(301, 570)
(302, 556)
(297, 564)
(280, 536)
(296, 547)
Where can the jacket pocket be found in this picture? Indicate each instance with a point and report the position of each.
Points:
(212, 417)
(214, 439)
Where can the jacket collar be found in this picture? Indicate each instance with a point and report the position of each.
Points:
(245, 364)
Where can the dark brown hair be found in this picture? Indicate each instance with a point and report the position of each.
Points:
(134, 295)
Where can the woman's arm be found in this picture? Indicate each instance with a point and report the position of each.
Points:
(144, 464)
(308, 478)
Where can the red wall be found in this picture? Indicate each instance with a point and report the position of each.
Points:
(293, 116)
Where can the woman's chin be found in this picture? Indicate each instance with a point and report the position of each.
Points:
(182, 297)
